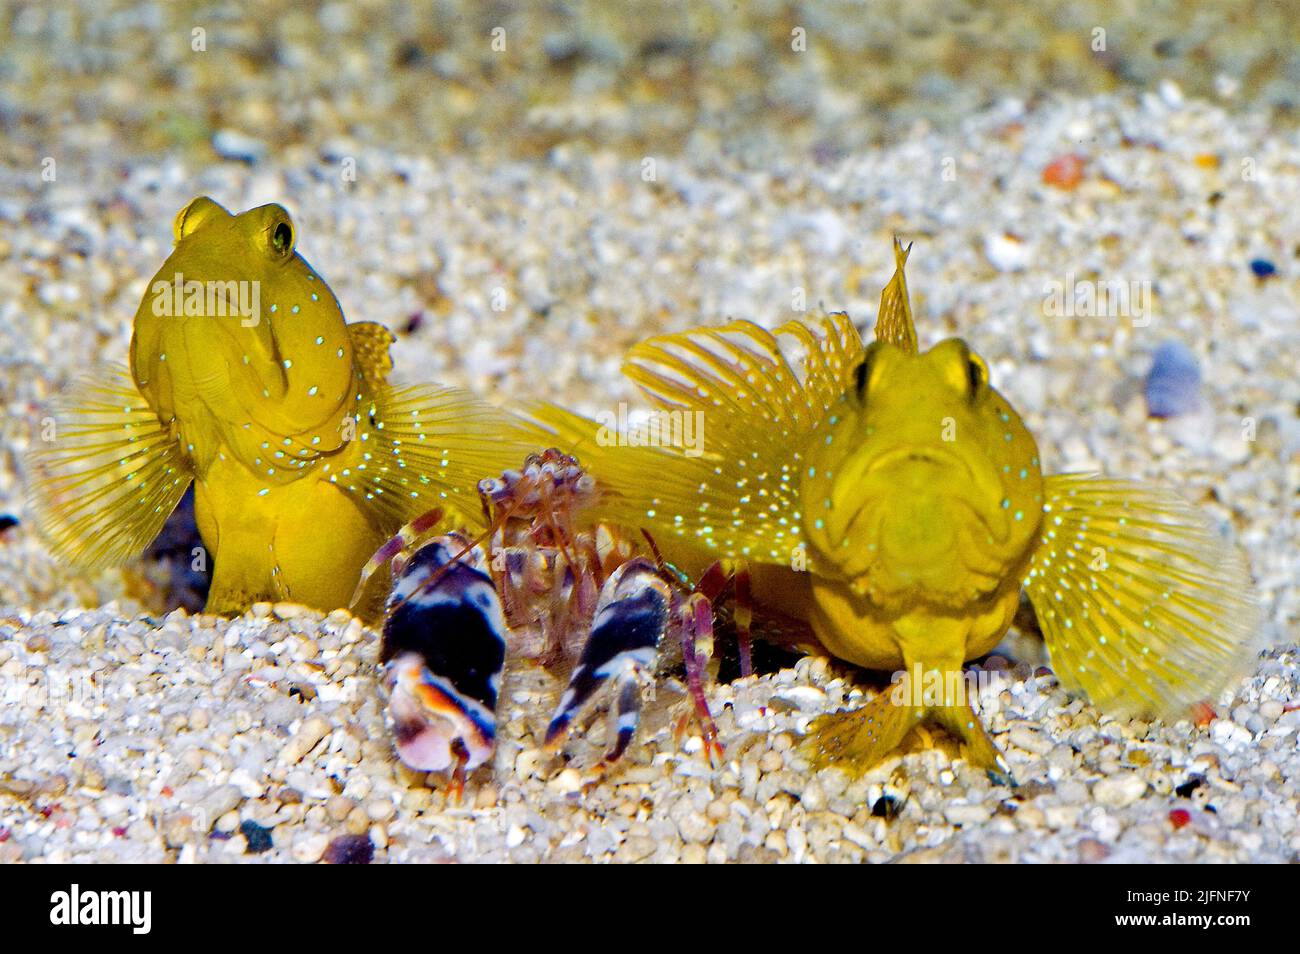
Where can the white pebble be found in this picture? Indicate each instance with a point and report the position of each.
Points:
(1120, 790)
(307, 738)
(308, 847)
(803, 698)
(1007, 253)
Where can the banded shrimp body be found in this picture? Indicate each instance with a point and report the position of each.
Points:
(544, 584)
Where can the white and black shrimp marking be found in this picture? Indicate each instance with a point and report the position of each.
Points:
(443, 651)
(448, 619)
(444, 648)
(632, 615)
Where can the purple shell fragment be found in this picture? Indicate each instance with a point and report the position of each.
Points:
(1173, 384)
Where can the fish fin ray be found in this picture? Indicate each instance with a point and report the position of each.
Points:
(370, 344)
(759, 395)
(104, 487)
(1145, 609)
(978, 749)
(733, 370)
(429, 446)
(894, 320)
(861, 739)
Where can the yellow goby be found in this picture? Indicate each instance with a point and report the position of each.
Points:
(895, 501)
(246, 379)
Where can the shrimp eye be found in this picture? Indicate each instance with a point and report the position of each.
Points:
(282, 238)
(977, 374)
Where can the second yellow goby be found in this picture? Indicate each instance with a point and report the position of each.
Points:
(894, 500)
